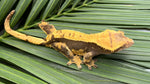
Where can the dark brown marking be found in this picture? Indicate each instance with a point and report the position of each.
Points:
(63, 35)
(27, 38)
(86, 46)
(51, 41)
(69, 34)
(63, 50)
(66, 52)
(122, 47)
(87, 58)
(47, 28)
(10, 15)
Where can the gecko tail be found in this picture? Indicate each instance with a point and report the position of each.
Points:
(19, 35)
(9, 30)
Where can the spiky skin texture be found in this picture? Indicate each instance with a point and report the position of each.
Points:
(74, 44)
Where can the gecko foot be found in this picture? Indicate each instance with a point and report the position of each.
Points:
(76, 60)
(91, 64)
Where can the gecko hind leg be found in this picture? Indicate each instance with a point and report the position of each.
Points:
(63, 48)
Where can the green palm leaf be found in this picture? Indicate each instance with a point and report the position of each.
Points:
(22, 62)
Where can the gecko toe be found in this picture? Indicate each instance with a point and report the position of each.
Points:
(91, 64)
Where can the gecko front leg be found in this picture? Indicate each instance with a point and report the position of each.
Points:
(63, 48)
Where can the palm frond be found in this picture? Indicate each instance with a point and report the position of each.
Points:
(23, 62)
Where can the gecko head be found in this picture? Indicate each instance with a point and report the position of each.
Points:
(114, 40)
(125, 42)
(46, 27)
